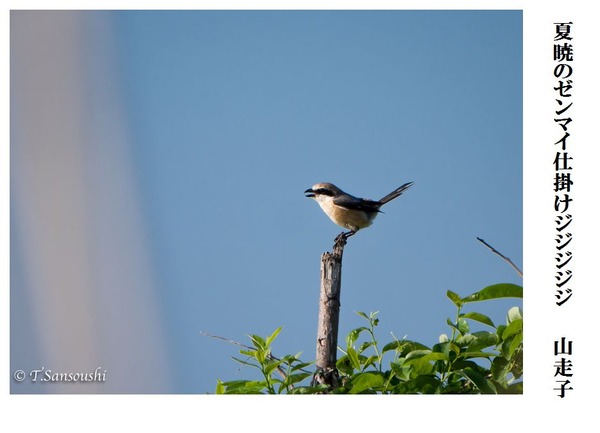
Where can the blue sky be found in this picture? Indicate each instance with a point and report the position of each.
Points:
(234, 114)
(230, 116)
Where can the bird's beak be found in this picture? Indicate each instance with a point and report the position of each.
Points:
(309, 193)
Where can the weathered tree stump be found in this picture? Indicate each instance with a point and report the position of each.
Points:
(329, 315)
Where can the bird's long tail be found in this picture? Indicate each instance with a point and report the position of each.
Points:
(395, 193)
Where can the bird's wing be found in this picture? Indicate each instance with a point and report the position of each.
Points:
(353, 203)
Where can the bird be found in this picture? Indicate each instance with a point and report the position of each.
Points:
(347, 211)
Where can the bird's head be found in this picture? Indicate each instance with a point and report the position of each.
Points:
(322, 190)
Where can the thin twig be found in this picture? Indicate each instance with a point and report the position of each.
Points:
(217, 337)
(226, 340)
(237, 343)
(509, 261)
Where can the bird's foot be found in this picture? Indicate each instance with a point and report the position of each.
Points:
(343, 237)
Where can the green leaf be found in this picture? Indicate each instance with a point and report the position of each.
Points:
(425, 356)
(244, 387)
(463, 326)
(393, 345)
(500, 368)
(241, 361)
(455, 385)
(495, 291)
(251, 353)
(403, 347)
(272, 337)
(500, 330)
(344, 365)
(353, 336)
(455, 298)
(289, 359)
(353, 357)
(515, 388)
(482, 318)
(366, 381)
(515, 327)
(261, 355)
(447, 348)
(461, 364)
(465, 340)
(366, 345)
(477, 354)
(422, 366)
(301, 365)
(361, 314)
(417, 354)
(483, 339)
(419, 385)
(258, 341)
(451, 324)
(484, 385)
(514, 344)
(272, 365)
(220, 389)
(295, 378)
(320, 389)
(370, 361)
(400, 371)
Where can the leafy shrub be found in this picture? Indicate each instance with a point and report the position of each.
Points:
(482, 362)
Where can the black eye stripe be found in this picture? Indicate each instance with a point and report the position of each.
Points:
(324, 191)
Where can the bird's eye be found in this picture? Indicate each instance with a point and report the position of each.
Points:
(324, 191)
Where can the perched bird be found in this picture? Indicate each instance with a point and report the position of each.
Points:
(347, 211)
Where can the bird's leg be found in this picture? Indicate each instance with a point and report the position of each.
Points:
(350, 233)
(344, 235)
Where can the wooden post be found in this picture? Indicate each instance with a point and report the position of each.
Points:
(329, 315)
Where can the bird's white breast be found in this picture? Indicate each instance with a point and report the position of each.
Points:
(348, 218)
